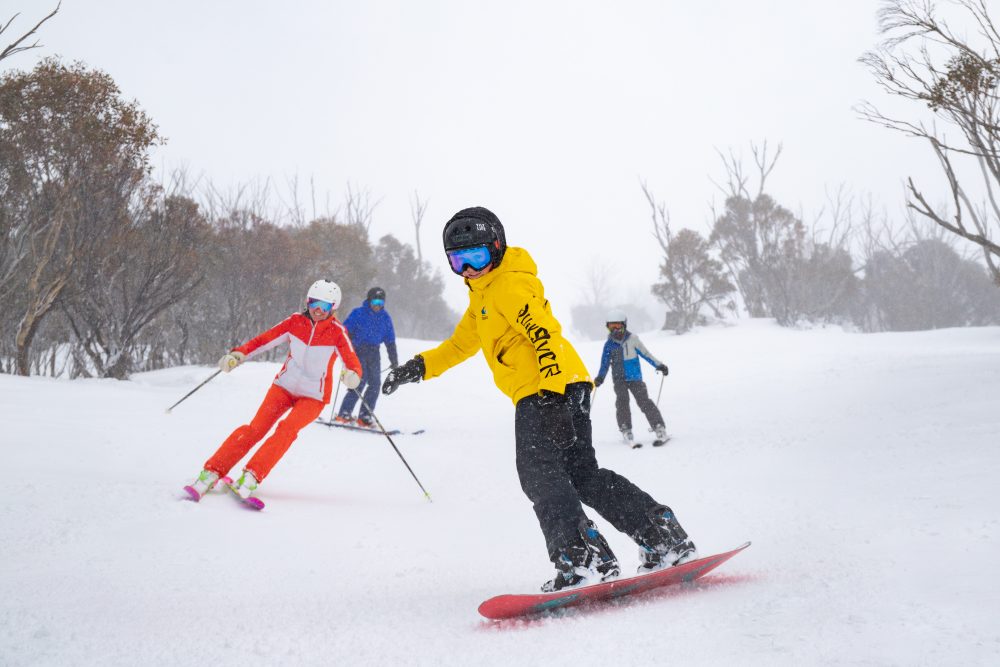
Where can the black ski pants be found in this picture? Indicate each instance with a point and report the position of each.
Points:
(558, 480)
(371, 381)
(622, 412)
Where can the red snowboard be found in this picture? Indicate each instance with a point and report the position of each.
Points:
(511, 606)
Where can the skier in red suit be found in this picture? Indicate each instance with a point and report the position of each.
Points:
(301, 388)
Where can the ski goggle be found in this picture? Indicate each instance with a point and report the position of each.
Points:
(325, 306)
(477, 258)
(616, 326)
(377, 302)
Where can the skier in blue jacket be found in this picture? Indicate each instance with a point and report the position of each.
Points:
(369, 326)
(622, 352)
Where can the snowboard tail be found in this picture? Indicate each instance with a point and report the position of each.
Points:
(513, 606)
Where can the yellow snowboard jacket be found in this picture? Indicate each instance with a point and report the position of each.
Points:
(510, 320)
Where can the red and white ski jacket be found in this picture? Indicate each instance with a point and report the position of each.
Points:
(312, 350)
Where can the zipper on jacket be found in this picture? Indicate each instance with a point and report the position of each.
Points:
(305, 360)
(322, 377)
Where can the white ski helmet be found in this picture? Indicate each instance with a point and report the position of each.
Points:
(325, 290)
(617, 316)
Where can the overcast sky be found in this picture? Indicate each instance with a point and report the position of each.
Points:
(549, 113)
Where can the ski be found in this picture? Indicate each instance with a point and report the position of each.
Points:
(252, 502)
(363, 429)
(514, 606)
(660, 443)
(192, 493)
(629, 441)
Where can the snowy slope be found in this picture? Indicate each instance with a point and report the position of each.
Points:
(863, 467)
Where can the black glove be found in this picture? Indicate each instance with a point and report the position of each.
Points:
(555, 411)
(598, 381)
(412, 371)
(662, 368)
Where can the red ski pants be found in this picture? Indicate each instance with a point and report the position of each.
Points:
(276, 403)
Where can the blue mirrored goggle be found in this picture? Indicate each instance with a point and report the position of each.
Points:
(377, 302)
(477, 258)
(325, 306)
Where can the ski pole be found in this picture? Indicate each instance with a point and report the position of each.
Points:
(660, 393)
(333, 404)
(389, 438)
(210, 377)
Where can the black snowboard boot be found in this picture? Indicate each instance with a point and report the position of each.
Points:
(589, 562)
(664, 543)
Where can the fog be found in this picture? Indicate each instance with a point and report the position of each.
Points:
(551, 114)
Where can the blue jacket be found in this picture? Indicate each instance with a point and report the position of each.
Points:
(368, 328)
(623, 357)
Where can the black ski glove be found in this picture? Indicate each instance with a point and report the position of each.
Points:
(412, 371)
(662, 368)
(555, 411)
(598, 381)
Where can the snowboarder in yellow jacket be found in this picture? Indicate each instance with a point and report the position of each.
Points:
(510, 320)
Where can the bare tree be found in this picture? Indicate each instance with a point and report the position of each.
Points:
(596, 285)
(598, 294)
(72, 153)
(660, 217)
(293, 208)
(831, 278)
(692, 279)
(915, 278)
(958, 82)
(242, 279)
(834, 224)
(781, 268)
(752, 230)
(360, 208)
(117, 295)
(15, 46)
(737, 180)
(316, 213)
(417, 210)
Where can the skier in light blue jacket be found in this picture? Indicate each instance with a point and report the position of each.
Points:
(622, 352)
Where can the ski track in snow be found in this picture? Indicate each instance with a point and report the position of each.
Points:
(862, 467)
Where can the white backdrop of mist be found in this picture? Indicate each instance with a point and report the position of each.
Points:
(548, 113)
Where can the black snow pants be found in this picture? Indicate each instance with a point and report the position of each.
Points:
(371, 381)
(558, 480)
(622, 412)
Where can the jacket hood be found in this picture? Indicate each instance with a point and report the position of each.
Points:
(510, 321)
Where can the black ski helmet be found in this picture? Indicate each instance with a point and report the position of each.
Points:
(376, 293)
(475, 226)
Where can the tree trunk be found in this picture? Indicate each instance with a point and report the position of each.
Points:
(25, 334)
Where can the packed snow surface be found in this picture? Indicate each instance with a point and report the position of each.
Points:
(864, 468)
